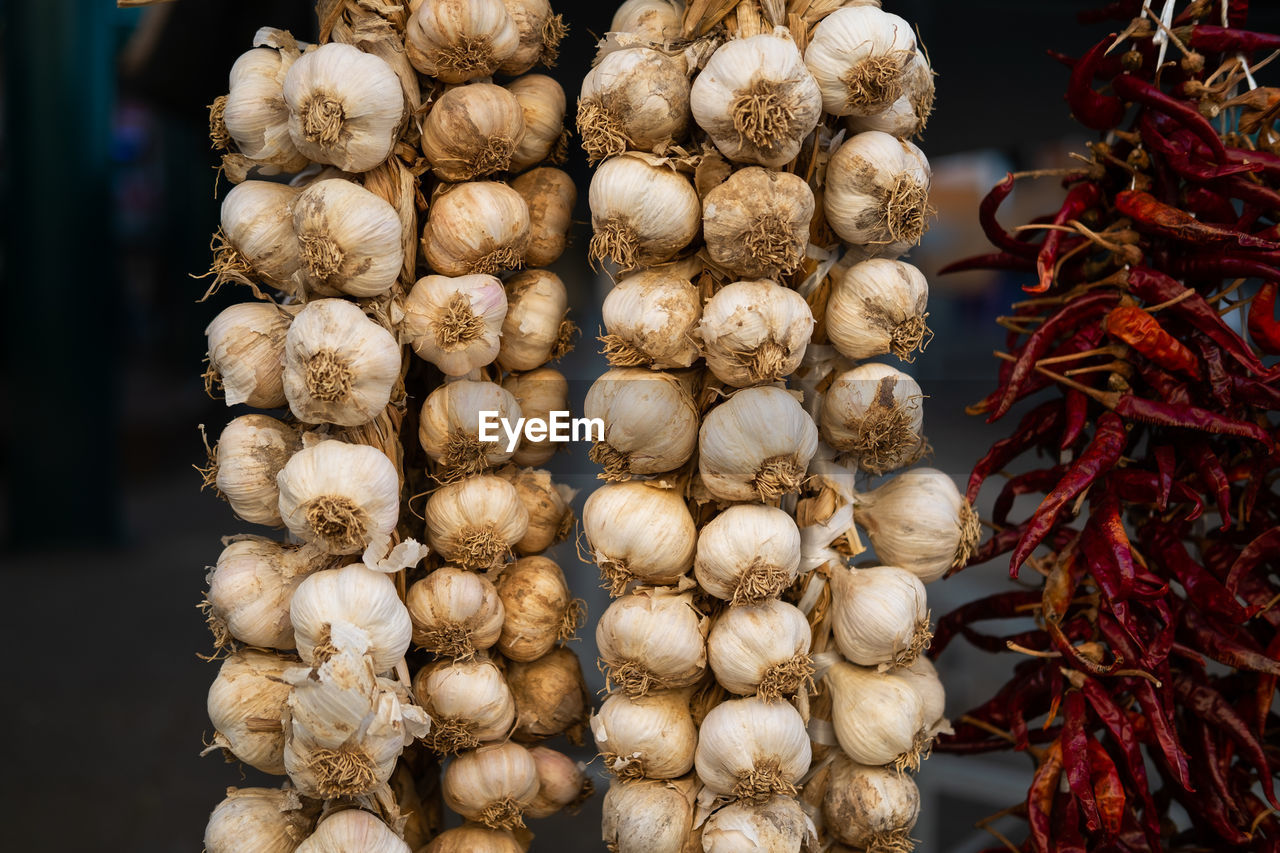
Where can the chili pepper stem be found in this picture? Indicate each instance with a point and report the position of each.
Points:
(1023, 650)
(1113, 351)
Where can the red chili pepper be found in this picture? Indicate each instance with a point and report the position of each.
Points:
(1262, 550)
(1027, 483)
(1138, 329)
(1166, 464)
(1219, 381)
(1080, 198)
(1181, 158)
(993, 261)
(1209, 206)
(1264, 329)
(1139, 91)
(1150, 214)
(1032, 431)
(1231, 651)
(1093, 109)
(1201, 587)
(1040, 798)
(1207, 704)
(1108, 790)
(1187, 417)
(1214, 800)
(1004, 605)
(1160, 714)
(1000, 238)
(1209, 39)
(1209, 467)
(1076, 413)
(1104, 517)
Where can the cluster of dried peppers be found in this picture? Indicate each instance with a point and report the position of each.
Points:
(1146, 698)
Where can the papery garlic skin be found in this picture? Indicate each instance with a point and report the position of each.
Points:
(761, 649)
(750, 749)
(340, 497)
(475, 522)
(539, 393)
(877, 193)
(562, 784)
(755, 331)
(880, 616)
(874, 413)
(449, 427)
(460, 40)
(756, 100)
(472, 131)
(858, 56)
(470, 838)
(908, 115)
(349, 240)
(870, 807)
(756, 445)
(246, 351)
(640, 214)
(920, 522)
(653, 640)
(456, 323)
(468, 702)
(351, 830)
(779, 825)
(651, 319)
(345, 106)
(540, 34)
(645, 737)
(540, 609)
(251, 451)
(250, 589)
(264, 820)
(551, 697)
(650, 422)
(550, 195)
(636, 99)
(658, 21)
(492, 784)
(255, 113)
(748, 553)
(878, 718)
(339, 366)
(551, 519)
(353, 609)
(638, 532)
(454, 612)
(257, 224)
(543, 103)
(537, 328)
(245, 703)
(476, 227)
(756, 223)
(647, 816)
(876, 307)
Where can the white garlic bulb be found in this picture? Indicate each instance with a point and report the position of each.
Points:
(872, 808)
(908, 115)
(475, 522)
(343, 498)
(349, 240)
(923, 678)
(449, 427)
(877, 193)
(779, 825)
(920, 522)
(756, 223)
(492, 784)
(651, 319)
(537, 328)
(246, 352)
(540, 610)
(636, 99)
(658, 21)
(756, 100)
(345, 106)
(543, 102)
(476, 227)
(748, 553)
(468, 702)
(352, 609)
(257, 225)
(460, 40)
(879, 616)
(539, 393)
(250, 589)
(756, 445)
(455, 323)
(641, 214)
(755, 331)
(472, 131)
(650, 422)
(352, 830)
(876, 307)
(878, 718)
(645, 737)
(255, 115)
(245, 704)
(551, 697)
(551, 519)
(562, 784)
(649, 816)
(540, 33)
(858, 56)
(339, 366)
(250, 453)
(550, 195)
(761, 649)
(264, 820)
(470, 838)
(873, 413)
(639, 532)
(652, 640)
(454, 612)
(750, 749)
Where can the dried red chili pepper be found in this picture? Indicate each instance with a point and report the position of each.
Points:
(1201, 586)
(1032, 431)
(1264, 329)
(1213, 642)
(1040, 798)
(1210, 39)
(1261, 550)
(1150, 214)
(1000, 238)
(1138, 329)
(1209, 468)
(1108, 790)
(1207, 704)
(1080, 198)
(1149, 95)
(1092, 108)
(1121, 729)
(992, 261)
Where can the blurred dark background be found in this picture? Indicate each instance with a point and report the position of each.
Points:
(109, 201)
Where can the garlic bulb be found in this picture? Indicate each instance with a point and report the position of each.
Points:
(492, 785)
(641, 214)
(543, 102)
(761, 649)
(349, 240)
(342, 498)
(476, 227)
(470, 838)
(658, 21)
(920, 522)
(468, 702)
(750, 749)
(345, 106)
(650, 816)
(650, 422)
(550, 195)
(748, 554)
(539, 393)
(877, 307)
(756, 100)
(923, 678)
(878, 718)
(779, 825)
(472, 131)
(351, 830)
(250, 589)
(652, 640)
(245, 704)
(449, 427)
(540, 33)
(263, 820)
(877, 193)
(651, 319)
(246, 349)
(476, 521)
(540, 610)
(257, 225)
(880, 616)
(645, 737)
(250, 453)
(871, 808)
(858, 56)
(639, 532)
(562, 784)
(339, 366)
(455, 323)
(353, 609)
(551, 519)
(537, 328)
(756, 223)
(550, 696)
(454, 612)
(908, 115)
(254, 113)
(756, 445)
(755, 331)
(460, 40)
(636, 99)
(873, 413)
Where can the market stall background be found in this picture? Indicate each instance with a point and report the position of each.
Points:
(108, 187)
